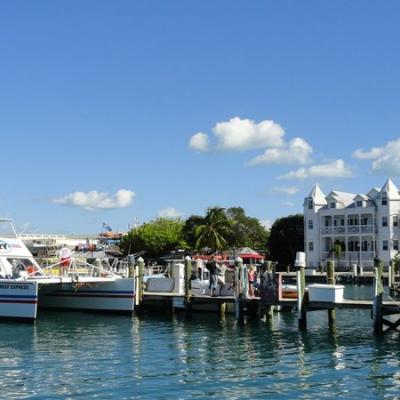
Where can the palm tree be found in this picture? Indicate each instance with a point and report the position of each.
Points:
(213, 232)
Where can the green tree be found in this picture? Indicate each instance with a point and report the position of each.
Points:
(155, 237)
(286, 238)
(246, 231)
(212, 233)
(189, 229)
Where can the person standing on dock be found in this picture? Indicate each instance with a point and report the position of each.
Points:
(213, 270)
(65, 259)
(251, 274)
(221, 269)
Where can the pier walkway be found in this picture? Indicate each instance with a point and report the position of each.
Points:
(272, 297)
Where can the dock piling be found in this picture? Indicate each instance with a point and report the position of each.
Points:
(391, 275)
(377, 314)
(188, 287)
(300, 263)
(239, 298)
(330, 280)
(140, 288)
(131, 266)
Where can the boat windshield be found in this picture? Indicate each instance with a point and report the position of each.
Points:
(18, 267)
(7, 228)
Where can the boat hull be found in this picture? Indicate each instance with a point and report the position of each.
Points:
(113, 296)
(18, 300)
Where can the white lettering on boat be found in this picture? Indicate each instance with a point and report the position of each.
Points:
(14, 286)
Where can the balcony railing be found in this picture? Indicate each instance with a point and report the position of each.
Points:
(351, 255)
(349, 229)
(368, 228)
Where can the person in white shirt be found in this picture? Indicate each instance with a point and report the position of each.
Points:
(65, 259)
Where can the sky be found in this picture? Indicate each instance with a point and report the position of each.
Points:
(125, 111)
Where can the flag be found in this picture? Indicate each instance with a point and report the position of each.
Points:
(106, 227)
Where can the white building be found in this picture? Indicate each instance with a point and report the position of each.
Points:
(365, 225)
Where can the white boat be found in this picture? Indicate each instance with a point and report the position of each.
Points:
(25, 286)
(175, 284)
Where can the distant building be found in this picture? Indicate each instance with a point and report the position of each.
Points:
(365, 225)
(48, 245)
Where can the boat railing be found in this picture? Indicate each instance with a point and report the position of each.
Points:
(74, 268)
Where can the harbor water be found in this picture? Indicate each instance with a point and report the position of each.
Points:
(66, 355)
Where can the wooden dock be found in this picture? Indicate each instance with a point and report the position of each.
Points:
(271, 296)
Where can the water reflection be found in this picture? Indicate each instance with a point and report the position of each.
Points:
(72, 355)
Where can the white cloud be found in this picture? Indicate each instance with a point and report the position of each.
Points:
(335, 169)
(169, 212)
(290, 190)
(244, 134)
(199, 142)
(297, 151)
(386, 158)
(97, 200)
(240, 134)
(372, 154)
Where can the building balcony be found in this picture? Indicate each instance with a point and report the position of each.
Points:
(348, 229)
(351, 255)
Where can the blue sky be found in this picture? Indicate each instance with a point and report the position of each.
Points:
(100, 103)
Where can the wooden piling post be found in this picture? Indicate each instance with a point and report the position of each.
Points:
(330, 280)
(378, 295)
(269, 309)
(391, 275)
(131, 266)
(137, 301)
(188, 287)
(140, 284)
(239, 298)
(268, 265)
(355, 273)
(301, 285)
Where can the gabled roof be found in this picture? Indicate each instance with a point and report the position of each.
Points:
(318, 196)
(374, 193)
(391, 189)
(341, 197)
(361, 197)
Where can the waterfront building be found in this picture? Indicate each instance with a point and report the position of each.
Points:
(48, 245)
(365, 226)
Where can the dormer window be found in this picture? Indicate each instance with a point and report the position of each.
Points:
(332, 204)
(384, 199)
(310, 204)
(359, 203)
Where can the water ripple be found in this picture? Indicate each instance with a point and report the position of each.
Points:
(73, 356)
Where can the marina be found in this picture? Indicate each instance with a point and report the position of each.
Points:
(199, 200)
(72, 285)
(67, 284)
